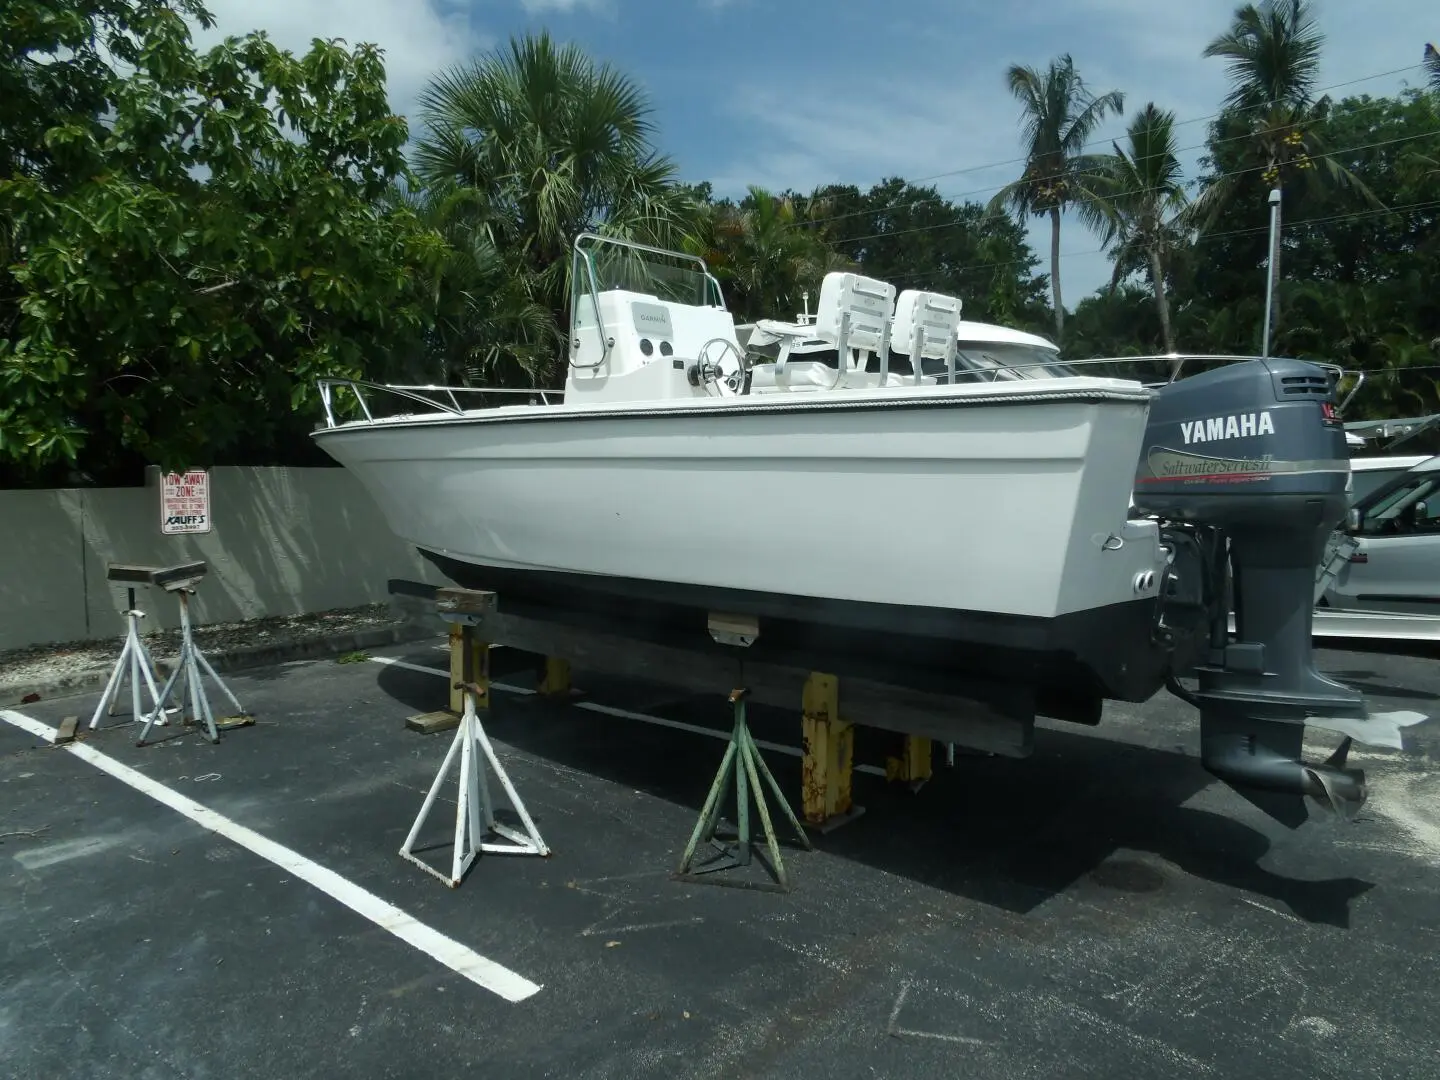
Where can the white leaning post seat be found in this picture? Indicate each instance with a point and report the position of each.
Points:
(926, 326)
(854, 312)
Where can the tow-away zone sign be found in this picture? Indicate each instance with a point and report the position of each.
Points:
(185, 502)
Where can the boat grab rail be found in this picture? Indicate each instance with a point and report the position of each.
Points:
(636, 245)
(581, 256)
(1176, 362)
(417, 393)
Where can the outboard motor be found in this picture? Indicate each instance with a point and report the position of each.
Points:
(1253, 457)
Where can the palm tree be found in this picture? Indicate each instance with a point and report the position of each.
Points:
(1140, 201)
(490, 324)
(1432, 61)
(763, 251)
(1272, 51)
(1059, 115)
(534, 143)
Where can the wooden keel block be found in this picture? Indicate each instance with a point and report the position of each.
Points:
(431, 722)
(479, 670)
(451, 601)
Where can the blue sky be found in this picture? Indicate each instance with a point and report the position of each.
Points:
(795, 94)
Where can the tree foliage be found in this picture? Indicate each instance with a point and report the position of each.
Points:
(1139, 202)
(523, 149)
(912, 236)
(761, 251)
(1059, 115)
(190, 238)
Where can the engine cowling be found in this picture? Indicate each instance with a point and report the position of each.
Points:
(1247, 445)
(1256, 452)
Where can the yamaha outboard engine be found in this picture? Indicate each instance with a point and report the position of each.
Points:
(1253, 457)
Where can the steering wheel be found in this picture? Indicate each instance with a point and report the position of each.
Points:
(729, 375)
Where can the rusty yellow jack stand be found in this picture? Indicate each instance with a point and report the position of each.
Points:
(829, 751)
(913, 766)
(555, 679)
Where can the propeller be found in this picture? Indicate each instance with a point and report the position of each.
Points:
(1261, 760)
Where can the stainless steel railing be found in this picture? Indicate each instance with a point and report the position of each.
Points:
(449, 403)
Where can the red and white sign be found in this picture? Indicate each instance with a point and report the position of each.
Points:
(185, 502)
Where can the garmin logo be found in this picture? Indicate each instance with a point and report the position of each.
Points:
(1237, 426)
(652, 320)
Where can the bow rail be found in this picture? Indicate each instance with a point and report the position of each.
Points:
(448, 403)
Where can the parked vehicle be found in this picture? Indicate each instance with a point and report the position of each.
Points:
(1369, 474)
(1395, 528)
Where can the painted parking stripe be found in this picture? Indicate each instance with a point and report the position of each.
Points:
(390, 661)
(610, 710)
(459, 958)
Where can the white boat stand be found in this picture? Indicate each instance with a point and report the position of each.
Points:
(181, 580)
(135, 661)
(474, 806)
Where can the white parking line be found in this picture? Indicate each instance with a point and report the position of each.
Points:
(390, 661)
(610, 710)
(459, 958)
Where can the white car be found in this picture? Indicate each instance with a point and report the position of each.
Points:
(1395, 566)
(1369, 473)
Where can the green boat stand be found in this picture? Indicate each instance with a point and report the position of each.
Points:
(743, 766)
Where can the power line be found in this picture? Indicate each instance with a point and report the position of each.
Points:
(1095, 142)
(1184, 123)
(1429, 204)
(1237, 172)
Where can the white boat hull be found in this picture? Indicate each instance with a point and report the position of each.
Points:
(1003, 502)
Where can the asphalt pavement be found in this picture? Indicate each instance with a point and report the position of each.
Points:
(1103, 908)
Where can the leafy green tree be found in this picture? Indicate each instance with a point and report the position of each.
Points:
(1139, 199)
(761, 253)
(1272, 51)
(181, 262)
(913, 237)
(1119, 321)
(534, 143)
(1059, 116)
(491, 323)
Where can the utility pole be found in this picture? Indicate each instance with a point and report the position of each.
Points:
(1272, 267)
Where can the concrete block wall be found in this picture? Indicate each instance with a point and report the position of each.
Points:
(282, 542)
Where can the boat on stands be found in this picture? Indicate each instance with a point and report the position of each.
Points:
(887, 491)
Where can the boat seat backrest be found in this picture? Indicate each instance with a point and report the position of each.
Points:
(932, 317)
(925, 327)
(856, 309)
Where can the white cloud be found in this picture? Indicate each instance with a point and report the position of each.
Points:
(816, 123)
(536, 7)
(419, 37)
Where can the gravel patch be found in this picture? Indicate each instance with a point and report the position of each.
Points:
(71, 661)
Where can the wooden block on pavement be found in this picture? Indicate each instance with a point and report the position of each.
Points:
(431, 722)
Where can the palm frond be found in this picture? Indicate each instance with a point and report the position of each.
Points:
(1272, 50)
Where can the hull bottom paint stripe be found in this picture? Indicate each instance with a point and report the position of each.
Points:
(459, 958)
(1108, 651)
